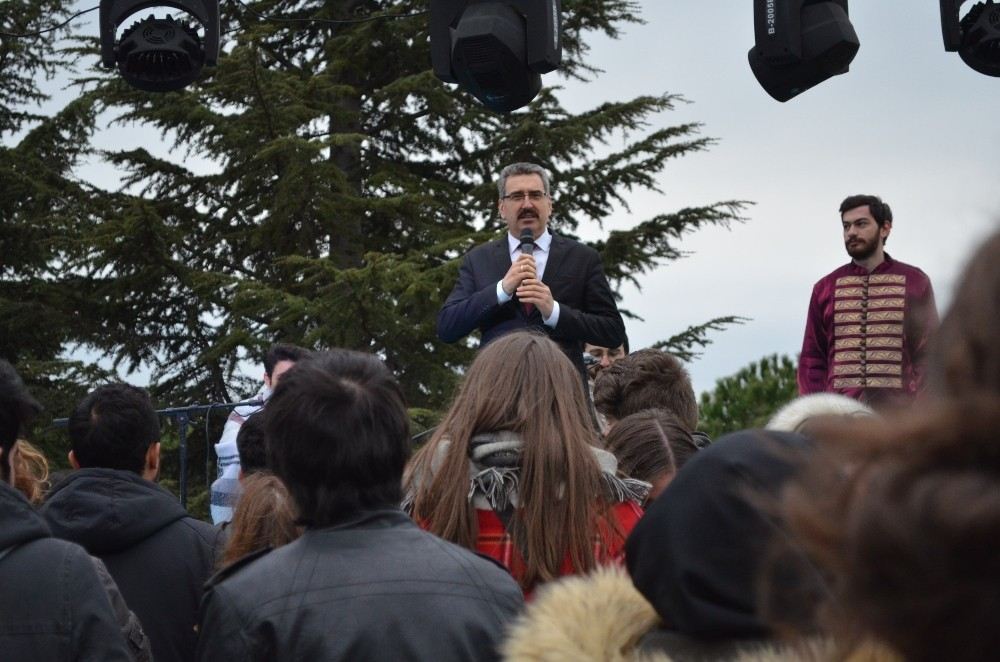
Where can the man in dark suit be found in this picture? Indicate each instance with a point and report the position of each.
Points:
(560, 289)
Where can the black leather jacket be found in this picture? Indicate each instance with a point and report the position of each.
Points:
(373, 588)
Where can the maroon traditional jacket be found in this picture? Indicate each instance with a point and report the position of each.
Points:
(866, 333)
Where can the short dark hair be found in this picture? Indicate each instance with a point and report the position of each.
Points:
(251, 442)
(881, 211)
(283, 352)
(113, 427)
(338, 436)
(17, 408)
(646, 379)
(650, 443)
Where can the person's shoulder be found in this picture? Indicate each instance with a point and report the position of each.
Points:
(910, 270)
(491, 245)
(487, 567)
(840, 272)
(238, 567)
(208, 536)
(568, 243)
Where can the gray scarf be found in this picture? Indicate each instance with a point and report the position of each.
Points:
(494, 472)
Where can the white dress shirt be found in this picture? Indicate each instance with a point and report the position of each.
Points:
(541, 255)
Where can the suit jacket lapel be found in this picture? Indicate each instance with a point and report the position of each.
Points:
(557, 251)
(500, 256)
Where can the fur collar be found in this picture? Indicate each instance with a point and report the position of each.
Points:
(601, 616)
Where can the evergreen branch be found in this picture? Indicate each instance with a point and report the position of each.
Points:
(685, 344)
(326, 21)
(38, 33)
(629, 253)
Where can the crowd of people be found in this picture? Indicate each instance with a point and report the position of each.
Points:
(558, 511)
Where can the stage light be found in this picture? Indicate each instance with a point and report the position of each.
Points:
(976, 36)
(799, 44)
(159, 54)
(496, 51)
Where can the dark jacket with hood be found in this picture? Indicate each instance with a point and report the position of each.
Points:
(711, 556)
(52, 604)
(158, 555)
(372, 588)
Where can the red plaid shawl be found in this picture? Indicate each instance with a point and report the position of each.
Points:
(609, 546)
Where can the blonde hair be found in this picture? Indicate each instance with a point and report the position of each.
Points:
(31, 471)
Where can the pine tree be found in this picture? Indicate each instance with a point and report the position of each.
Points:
(748, 398)
(346, 183)
(41, 205)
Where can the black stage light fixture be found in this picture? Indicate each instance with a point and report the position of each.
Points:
(799, 44)
(496, 51)
(976, 36)
(159, 54)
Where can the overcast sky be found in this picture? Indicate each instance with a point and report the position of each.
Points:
(909, 122)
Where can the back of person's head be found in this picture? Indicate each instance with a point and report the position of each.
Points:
(113, 428)
(651, 445)
(905, 521)
(283, 352)
(17, 408)
(797, 414)
(646, 379)
(700, 552)
(338, 436)
(965, 354)
(265, 517)
(31, 471)
(251, 442)
(521, 383)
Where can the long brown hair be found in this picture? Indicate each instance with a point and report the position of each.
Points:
(650, 444)
(903, 518)
(523, 383)
(264, 517)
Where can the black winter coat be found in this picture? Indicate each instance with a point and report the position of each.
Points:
(375, 588)
(52, 604)
(158, 555)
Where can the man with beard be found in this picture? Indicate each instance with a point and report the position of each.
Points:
(549, 283)
(869, 321)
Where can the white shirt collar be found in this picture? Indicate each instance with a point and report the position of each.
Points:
(541, 244)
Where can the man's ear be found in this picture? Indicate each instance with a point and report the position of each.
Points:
(886, 229)
(151, 469)
(267, 380)
(73, 462)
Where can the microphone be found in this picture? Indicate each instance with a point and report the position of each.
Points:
(527, 241)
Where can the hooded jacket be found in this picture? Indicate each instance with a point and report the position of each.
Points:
(700, 553)
(157, 554)
(52, 604)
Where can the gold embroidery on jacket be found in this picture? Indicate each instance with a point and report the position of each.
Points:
(870, 382)
(879, 279)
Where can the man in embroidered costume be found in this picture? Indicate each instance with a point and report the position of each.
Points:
(870, 320)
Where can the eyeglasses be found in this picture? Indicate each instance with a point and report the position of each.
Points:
(519, 196)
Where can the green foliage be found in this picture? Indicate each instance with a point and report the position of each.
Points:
(338, 184)
(750, 397)
(685, 345)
